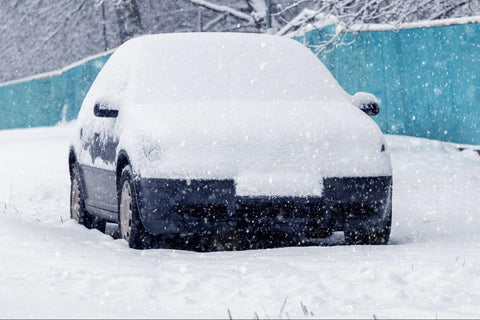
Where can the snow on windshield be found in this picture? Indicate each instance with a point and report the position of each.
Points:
(225, 67)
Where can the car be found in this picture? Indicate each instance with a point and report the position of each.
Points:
(225, 138)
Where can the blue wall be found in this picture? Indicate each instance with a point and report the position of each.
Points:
(426, 79)
(49, 99)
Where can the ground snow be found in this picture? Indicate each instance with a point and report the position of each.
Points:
(52, 267)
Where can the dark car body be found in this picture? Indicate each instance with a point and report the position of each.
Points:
(179, 177)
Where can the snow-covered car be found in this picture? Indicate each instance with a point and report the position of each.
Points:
(227, 136)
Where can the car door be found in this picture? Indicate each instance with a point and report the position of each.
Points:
(99, 176)
(98, 120)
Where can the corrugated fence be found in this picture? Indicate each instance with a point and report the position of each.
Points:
(48, 99)
(424, 77)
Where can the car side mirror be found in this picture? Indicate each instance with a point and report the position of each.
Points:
(102, 111)
(366, 102)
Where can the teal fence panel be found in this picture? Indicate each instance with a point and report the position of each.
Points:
(47, 99)
(425, 78)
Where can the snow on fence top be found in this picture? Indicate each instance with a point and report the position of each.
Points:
(97, 58)
(48, 98)
(411, 25)
(309, 20)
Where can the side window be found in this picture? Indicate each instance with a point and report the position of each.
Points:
(111, 82)
(109, 87)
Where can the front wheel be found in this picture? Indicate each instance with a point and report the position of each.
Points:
(373, 232)
(77, 204)
(131, 227)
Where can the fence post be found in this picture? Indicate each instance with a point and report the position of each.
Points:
(268, 14)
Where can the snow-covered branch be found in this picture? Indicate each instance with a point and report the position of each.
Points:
(316, 18)
(222, 8)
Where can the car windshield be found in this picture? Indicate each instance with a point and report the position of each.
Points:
(227, 67)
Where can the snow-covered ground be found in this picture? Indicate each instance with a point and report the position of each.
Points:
(52, 267)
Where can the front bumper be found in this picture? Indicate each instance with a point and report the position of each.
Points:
(173, 206)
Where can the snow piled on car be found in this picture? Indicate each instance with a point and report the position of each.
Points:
(225, 67)
(282, 148)
(260, 109)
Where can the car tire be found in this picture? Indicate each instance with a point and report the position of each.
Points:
(319, 233)
(130, 226)
(77, 204)
(365, 234)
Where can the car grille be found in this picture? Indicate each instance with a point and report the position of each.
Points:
(279, 209)
(257, 210)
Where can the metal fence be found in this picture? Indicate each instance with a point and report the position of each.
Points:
(48, 99)
(425, 77)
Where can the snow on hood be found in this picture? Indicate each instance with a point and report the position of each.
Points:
(278, 148)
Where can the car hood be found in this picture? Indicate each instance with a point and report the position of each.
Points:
(268, 148)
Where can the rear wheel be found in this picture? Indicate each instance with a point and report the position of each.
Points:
(77, 204)
(131, 227)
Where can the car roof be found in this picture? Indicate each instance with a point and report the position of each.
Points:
(221, 66)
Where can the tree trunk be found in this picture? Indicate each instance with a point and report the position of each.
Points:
(128, 19)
